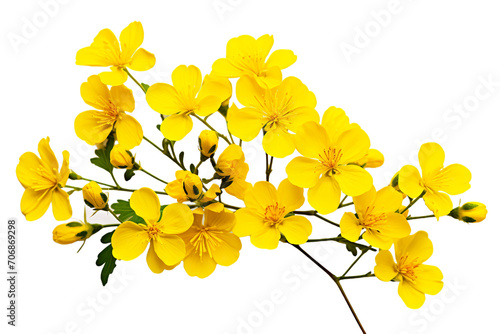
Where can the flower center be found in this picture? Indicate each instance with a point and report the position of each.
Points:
(329, 159)
(108, 116)
(408, 270)
(45, 179)
(274, 214)
(371, 220)
(153, 231)
(205, 241)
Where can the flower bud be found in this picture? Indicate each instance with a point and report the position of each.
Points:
(471, 212)
(121, 158)
(94, 197)
(208, 141)
(69, 233)
(373, 159)
(192, 186)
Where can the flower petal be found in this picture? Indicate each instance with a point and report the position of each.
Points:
(429, 279)
(146, 204)
(250, 93)
(388, 199)
(417, 245)
(131, 39)
(354, 144)
(311, 140)
(89, 129)
(176, 127)
(363, 201)
(154, 263)
(353, 180)
(224, 68)
(34, 204)
(266, 238)
(454, 179)
(128, 131)
(61, 206)
(123, 98)
(200, 266)
(431, 158)
(296, 229)
(103, 51)
(116, 77)
(129, 241)
(142, 60)
(26, 169)
(208, 105)
(248, 222)
(325, 195)
(411, 296)
(95, 93)
(350, 227)
(439, 203)
(47, 155)
(244, 123)
(281, 59)
(187, 80)
(228, 251)
(176, 218)
(386, 268)
(336, 121)
(164, 99)
(303, 172)
(262, 195)
(278, 143)
(170, 249)
(292, 197)
(410, 181)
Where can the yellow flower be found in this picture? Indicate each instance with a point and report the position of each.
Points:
(278, 110)
(94, 126)
(264, 217)
(327, 167)
(187, 96)
(246, 55)
(105, 51)
(373, 159)
(69, 233)
(121, 158)
(166, 248)
(208, 141)
(209, 242)
(188, 187)
(376, 213)
(436, 180)
(470, 212)
(43, 183)
(93, 196)
(415, 278)
(231, 166)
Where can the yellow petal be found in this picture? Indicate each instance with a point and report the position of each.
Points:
(176, 218)
(64, 172)
(336, 121)
(34, 204)
(170, 249)
(89, 129)
(128, 131)
(47, 155)
(142, 60)
(61, 206)
(363, 201)
(325, 195)
(129, 241)
(410, 181)
(411, 296)
(439, 203)
(239, 187)
(278, 143)
(123, 98)
(200, 266)
(386, 268)
(116, 77)
(208, 105)
(353, 180)
(311, 140)
(292, 197)
(387, 200)
(244, 123)
(224, 68)
(300, 116)
(266, 238)
(248, 222)
(281, 59)
(176, 127)
(26, 170)
(303, 172)
(377, 239)
(164, 99)
(269, 79)
(296, 229)
(146, 204)
(216, 86)
(417, 245)
(187, 80)
(454, 179)
(264, 44)
(228, 251)
(131, 39)
(429, 279)
(262, 195)
(219, 219)
(104, 50)
(96, 94)
(354, 144)
(349, 227)
(250, 93)
(154, 263)
(431, 158)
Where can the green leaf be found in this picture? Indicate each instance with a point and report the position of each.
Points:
(192, 168)
(129, 173)
(103, 160)
(125, 212)
(181, 158)
(352, 248)
(106, 258)
(145, 86)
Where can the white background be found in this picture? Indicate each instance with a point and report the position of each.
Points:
(401, 86)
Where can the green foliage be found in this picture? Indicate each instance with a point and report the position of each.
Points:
(103, 161)
(106, 258)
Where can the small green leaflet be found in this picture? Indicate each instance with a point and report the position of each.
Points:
(103, 159)
(106, 258)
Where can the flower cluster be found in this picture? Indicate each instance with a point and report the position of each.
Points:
(191, 224)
